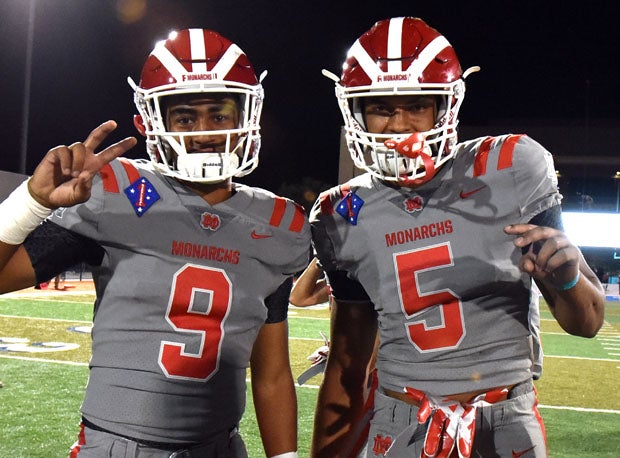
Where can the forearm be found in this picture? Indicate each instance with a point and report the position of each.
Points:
(573, 292)
(276, 412)
(317, 295)
(341, 400)
(17, 272)
(580, 309)
(273, 389)
(6, 253)
(310, 288)
(338, 410)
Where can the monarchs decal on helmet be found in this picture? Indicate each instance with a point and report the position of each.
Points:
(400, 51)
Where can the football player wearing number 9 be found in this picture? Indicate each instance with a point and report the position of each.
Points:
(192, 271)
(435, 247)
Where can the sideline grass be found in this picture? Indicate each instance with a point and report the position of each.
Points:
(40, 400)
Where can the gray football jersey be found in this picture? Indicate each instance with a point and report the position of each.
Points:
(180, 298)
(452, 305)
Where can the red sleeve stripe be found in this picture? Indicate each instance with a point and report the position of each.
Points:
(326, 204)
(298, 219)
(327, 208)
(109, 179)
(110, 183)
(279, 207)
(132, 172)
(505, 153)
(482, 156)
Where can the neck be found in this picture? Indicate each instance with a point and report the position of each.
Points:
(213, 193)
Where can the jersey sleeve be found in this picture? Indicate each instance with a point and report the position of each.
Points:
(277, 303)
(534, 176)
(551, 217)
(285, 223)
(320, 220)
(342, 286)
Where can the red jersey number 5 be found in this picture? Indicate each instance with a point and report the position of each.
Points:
(450, 332)
(190, 283)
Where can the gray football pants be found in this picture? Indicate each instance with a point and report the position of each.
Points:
(510, 428)
(100, 444)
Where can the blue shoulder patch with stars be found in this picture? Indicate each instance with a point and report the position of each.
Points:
(349, 207)
(142, 195)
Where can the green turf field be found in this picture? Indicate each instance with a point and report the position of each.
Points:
(39, 403)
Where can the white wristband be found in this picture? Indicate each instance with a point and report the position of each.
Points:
(20, 214)
(286, 455)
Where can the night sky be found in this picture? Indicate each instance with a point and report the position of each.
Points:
(539, 60)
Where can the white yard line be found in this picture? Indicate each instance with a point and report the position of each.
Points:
(43, 360)
(45, 319)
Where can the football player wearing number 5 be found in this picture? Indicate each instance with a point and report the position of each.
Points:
(436, 247)
(192, 271)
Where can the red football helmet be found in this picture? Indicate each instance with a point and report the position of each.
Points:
(401, 56)
(202, 62)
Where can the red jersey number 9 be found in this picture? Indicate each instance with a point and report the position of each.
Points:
(447, 306)
(184, 317)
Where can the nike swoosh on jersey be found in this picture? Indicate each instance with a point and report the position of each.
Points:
(466, 194)
(519, 454)
(256, 235)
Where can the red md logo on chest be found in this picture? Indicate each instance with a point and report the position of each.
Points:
(210, 221)
(381, 445)
(413, 204)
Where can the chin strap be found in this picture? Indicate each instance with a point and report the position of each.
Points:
(413, 148)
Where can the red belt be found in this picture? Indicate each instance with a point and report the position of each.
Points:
(453, 418)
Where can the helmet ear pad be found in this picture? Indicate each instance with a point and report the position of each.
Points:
(138, 123)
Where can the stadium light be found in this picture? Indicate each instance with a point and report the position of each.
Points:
(587, 229)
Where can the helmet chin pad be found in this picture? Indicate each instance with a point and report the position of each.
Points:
(210, 166)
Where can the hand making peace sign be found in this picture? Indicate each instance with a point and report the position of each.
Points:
(64, 177)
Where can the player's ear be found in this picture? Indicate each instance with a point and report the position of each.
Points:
(138, 122)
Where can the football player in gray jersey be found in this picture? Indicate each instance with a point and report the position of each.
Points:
(192, 271)
(435, 248)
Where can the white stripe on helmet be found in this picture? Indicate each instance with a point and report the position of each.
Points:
(227, 61)
(365, 61)
(427, 55)
(394, 45)
(199, 53)
(394, 52)
(167, 59)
